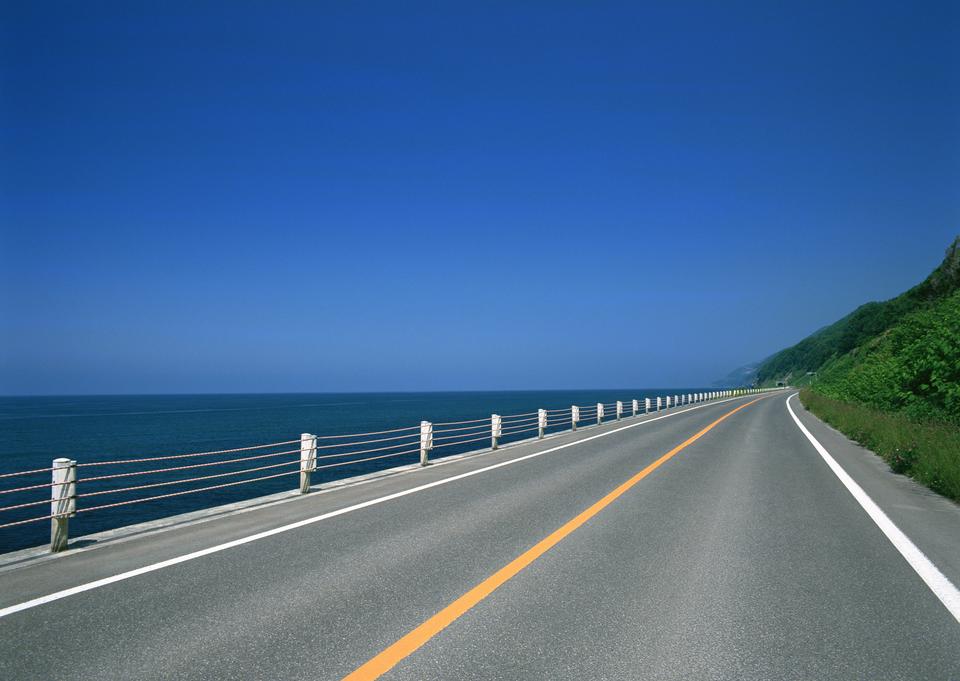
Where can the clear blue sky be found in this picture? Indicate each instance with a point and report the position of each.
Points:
(388, 196)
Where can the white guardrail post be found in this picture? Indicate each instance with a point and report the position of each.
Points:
(426, 442)
(496, 430)
(541, 422)
(599, 413)
(636, 407)
(63, 502)
(658, 404)
(619, 409)
(308, 454)
(646, 405)
(574, 417)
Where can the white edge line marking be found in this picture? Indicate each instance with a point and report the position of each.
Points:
(939, 584)
(57, 595)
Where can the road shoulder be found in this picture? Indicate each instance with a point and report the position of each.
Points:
(931, 521)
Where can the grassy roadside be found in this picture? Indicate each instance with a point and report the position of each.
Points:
(927, 451)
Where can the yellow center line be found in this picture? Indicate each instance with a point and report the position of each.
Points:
(392, 655)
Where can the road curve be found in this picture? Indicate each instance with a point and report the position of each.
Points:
(740, 555)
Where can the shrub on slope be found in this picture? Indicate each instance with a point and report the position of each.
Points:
(913, 367)
(863, 325)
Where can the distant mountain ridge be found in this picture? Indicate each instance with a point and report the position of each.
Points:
(900, 354)
(745, 375)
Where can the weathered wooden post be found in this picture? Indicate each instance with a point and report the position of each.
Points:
(308, 454)
(63, 502)
(426, 442)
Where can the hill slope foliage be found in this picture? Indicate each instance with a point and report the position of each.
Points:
(888, 376)
(901, 355)
(912, 368)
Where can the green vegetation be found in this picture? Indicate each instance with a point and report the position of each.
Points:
(864, 324)
(929, 452)
(888, 376)
(913, 368)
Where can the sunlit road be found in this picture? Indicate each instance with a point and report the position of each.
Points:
(625, 551)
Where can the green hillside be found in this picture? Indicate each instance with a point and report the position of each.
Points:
(900, 355)
(888, 376)
(912, 368)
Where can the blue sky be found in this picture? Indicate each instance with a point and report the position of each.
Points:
(405, 196)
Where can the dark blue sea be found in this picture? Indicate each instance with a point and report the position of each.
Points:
(35, 430)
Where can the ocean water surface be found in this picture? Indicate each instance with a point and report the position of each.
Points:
(35, 430)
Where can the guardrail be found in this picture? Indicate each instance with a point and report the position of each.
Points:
(72, 493)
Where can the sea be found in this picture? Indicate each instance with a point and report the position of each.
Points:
(110, 428)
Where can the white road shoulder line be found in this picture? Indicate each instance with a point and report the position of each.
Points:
(938, 583)
(57, 595)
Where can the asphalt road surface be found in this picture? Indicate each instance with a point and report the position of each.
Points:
(632, 550)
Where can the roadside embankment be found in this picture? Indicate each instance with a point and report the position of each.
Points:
(927, 451)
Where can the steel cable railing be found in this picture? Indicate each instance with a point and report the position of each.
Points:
(20, 473)
(87, 509)
(457, 423)
(183, 456)
(485, 438)
(167, 483)
(348, 449)
(375, 432)
(518, 429)
(485, 424)
(371, 458)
